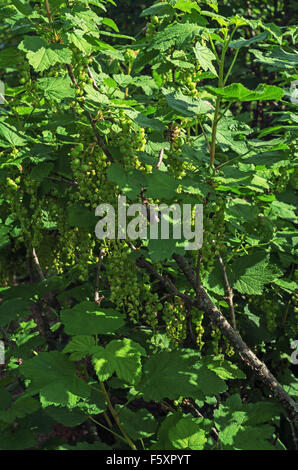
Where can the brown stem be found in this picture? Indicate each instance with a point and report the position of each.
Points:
(198, 269)
(49, 13)
(37, 265)
(116, 417)
(205, 136)
(204, 303)
(160, 159)
(92, 78)
(230, 293)
(214, 130)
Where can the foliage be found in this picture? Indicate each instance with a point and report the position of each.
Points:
(100, 352)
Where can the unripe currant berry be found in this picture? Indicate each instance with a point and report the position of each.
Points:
(76, 162)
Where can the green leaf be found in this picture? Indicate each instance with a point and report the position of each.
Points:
(66, 416)
(13, 309)
(188, 433)
(56, 88)
(22, 7)
(209, 383)
(160, 249)
(20, 439)
(41, 171)
(223, 368)
(144, 121)
(176, 34)
(161, 185)
(160, 9)
(205, 57)
(20, 408)
(163, 433)
(237, 437)
(11, 135)
(42, 55)
(76, 38)
(252, 414)
(130, 182)
(186, 105)
(177, 373)
(286, 284)
(82, 217)
(191, 185)
(122, 357)
(145, 82)
(139, 424)
(277, 58)
(241, 425)
(247, 42)
(214, 281)
(111, 23)
(53, 375)
(186, 6)
(80, 347)
(227, 135)
(238, 92)
(251, 273)
(282, 210)
(122, 79)
(94, 96)
(240, 209)
(88, 318)
(95, 404)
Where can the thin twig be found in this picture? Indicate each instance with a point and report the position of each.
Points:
(230, 292)
(198, 269)
(37, 265)
(160, 159)
(49, 13)
(205, 135)
(189, 402)
(62, 180)
(92, 78)
(50, 18)
(116, 417)
(203, 302)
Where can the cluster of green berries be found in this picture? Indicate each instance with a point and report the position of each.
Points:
(131, 290)
(151, 27)
(197, 320)
(124, 282)
(89, 164)
(128, 140)
(175, 319)
(214, 230)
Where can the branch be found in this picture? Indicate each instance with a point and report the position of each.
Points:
(49, 13)
(204, 303)
(160, 159)
(230, 292)
(37, 265)
(92, 78)
(116, 417)
(205, 136)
